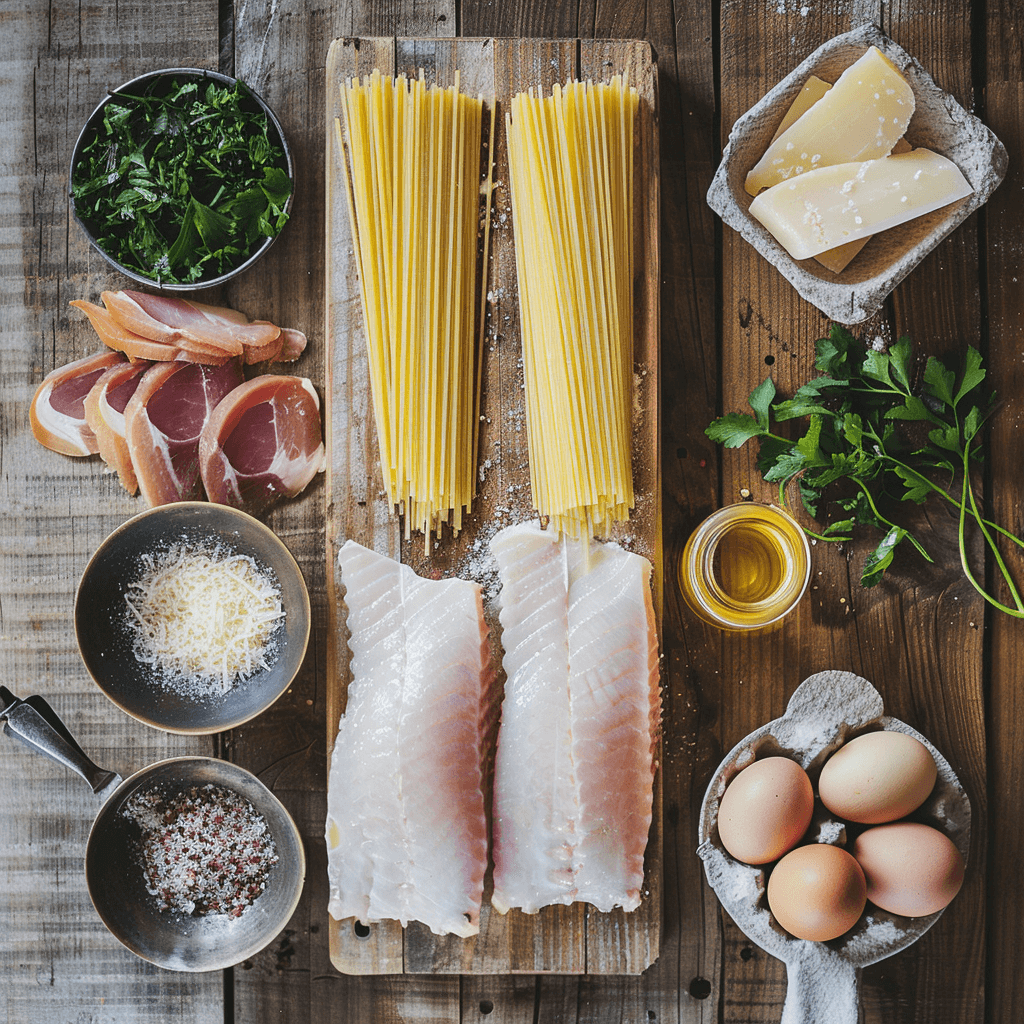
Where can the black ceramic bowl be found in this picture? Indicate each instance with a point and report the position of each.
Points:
(168, 938)
(105, 635)
(152, 83)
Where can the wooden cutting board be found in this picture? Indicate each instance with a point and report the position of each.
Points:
(566, 940)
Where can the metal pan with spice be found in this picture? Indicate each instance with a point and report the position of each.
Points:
(191, 863)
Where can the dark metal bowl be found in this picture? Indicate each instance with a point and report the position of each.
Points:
(104, 640)
(173, 940)
(150, 82)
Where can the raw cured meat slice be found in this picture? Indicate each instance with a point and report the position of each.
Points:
(573, 786)
(174, 320)
(163, 421)
(220, 327)
(114, 336)
(406, 831)
(162, 329)
(57, 412)
(104, 412)
(262, 442)
(293, 344)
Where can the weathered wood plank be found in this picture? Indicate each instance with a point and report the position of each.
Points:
(936, 616)
(57, 961)
(912, 635)
(762, 320)
(559, 939)
(1003, 301)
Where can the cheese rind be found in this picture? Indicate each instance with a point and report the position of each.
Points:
(860, 118)
(835, 205)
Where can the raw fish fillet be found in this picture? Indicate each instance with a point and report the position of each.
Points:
(574, 774)
(406, 831)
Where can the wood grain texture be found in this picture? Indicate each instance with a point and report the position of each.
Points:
(572, 939)
(1003, 304)
(943, 663)
(916, 631)
(57, 961)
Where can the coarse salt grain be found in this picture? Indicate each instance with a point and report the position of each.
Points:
(206, 850)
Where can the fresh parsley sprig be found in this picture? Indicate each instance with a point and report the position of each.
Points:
(179, 185)
(871, 434)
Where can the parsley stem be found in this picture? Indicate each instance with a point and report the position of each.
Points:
(953, 501)
(874, 508)
(968, 494)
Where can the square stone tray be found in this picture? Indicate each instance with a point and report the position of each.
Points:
(939, 123)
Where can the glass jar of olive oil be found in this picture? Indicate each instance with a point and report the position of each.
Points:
(745, 567)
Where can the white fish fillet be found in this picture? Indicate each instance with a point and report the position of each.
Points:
(406, 830)
(575, 761)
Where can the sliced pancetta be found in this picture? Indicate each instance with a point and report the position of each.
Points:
(162, 329)
(119, 338)
(104, 412)
(262, 442)
(163, 422)
(57, 412)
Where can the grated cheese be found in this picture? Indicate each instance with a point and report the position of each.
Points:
(203, 617)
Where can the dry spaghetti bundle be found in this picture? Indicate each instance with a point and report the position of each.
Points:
(571, 174)
(412, 182)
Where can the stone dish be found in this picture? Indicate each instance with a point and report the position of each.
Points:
(823, 977)
(939, 123)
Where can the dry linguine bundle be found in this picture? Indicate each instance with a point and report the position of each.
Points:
(571, 173)
(411, 159)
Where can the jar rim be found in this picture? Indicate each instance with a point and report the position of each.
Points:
(704, 592)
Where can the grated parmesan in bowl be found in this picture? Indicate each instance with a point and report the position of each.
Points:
(193, 617)
(203, 619)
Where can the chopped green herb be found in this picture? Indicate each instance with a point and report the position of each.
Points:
(181, 184)
(869, 428)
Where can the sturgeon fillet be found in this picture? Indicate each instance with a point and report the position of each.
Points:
(406, 831)
(573, 787)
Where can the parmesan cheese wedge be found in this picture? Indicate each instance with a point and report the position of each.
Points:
(837, 259)
(860, 118)
(835, 205)
(814, 88)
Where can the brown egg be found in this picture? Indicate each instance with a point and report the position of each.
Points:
(817, 892)
(877, 777)
(911, 869)
(765, 810)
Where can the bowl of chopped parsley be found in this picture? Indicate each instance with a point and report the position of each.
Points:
(181, 178)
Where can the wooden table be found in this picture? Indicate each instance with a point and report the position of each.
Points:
(942, 661)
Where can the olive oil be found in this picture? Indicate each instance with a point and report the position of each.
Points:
(745, 567)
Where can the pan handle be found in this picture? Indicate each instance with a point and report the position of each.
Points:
(36, 724)
(823, 989)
